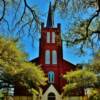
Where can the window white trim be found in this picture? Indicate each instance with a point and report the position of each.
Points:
(47, 57)
(54, 57)
(53, 37)
(51, 77)
(48, 37)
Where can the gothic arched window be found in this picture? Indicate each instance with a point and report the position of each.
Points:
(53, 37)
(51, 77)
(54, 57)
(48, 37)
(51, 96)
(47, 57)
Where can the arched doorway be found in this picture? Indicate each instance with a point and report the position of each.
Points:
(51, 96)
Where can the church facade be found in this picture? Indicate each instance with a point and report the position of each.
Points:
(51, 59)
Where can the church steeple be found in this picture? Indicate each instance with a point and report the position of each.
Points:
(50, 17)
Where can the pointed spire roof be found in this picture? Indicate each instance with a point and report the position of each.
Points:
(50, 17)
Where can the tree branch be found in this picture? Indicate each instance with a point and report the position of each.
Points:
(91, 19)
(32, 12)
(3, 12)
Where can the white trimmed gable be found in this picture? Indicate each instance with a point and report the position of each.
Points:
(51, 89)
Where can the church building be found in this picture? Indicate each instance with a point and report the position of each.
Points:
(51, 59)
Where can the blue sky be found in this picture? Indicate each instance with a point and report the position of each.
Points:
(70, 54)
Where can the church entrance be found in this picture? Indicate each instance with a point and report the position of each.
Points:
(51, 96)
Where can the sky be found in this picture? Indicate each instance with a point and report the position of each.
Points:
(69, 54)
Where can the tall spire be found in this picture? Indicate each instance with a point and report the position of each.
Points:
(50, 17)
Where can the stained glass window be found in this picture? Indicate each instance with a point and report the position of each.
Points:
(51, 77)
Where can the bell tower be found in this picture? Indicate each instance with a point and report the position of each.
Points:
(51, 50)
(50, 43)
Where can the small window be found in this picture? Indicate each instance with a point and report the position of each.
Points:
(54, 57)
(51, 77)
(53, 37)
(51, 96)
(48, 37)
(47, 57)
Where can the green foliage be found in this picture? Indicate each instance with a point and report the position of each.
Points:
(94, 66)
(84, 78)
(31, 74)
(15, 68)
(79, 79)
(95, 95)
(68, 88)
(10, 56)
(80, 76)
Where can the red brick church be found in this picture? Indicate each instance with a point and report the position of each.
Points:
(51, 59)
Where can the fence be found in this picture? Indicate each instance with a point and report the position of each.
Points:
(31, 98)
(18, 98)
(77, 98)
